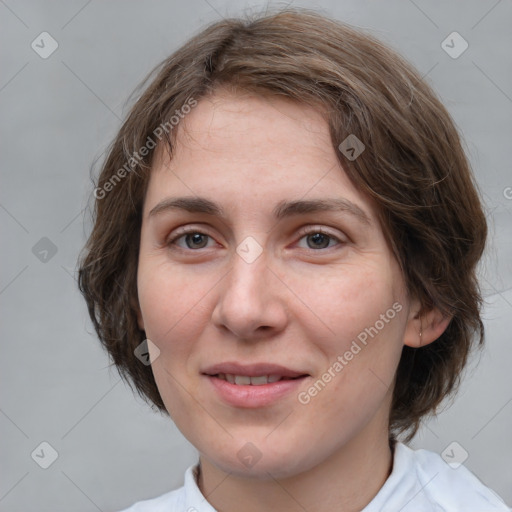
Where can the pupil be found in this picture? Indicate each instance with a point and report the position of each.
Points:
(318, 238)
(196, 239)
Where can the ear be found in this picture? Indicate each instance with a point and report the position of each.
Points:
(424, 327)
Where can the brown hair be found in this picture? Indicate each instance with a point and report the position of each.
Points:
(413, 168)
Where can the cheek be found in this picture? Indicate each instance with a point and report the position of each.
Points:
(345, 300)
(172, 303)
(360, 311)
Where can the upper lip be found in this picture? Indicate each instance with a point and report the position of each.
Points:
(252, 370)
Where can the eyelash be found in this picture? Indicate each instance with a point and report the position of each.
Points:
(303, 234)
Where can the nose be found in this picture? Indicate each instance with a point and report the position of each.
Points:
(251, 301)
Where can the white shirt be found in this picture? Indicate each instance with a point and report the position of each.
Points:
(421, 481)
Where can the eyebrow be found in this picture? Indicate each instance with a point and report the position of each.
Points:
(282, 210)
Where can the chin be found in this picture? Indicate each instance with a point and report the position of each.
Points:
(265, 459)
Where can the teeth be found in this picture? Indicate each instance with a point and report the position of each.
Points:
(257, 381)
(244, 380)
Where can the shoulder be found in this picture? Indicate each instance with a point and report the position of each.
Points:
(187, 498)
(423, 481)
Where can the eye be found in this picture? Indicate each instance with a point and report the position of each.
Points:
(319, 239)
(191, 240)
(315, 239)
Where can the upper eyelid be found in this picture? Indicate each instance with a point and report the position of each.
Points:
(318, 229)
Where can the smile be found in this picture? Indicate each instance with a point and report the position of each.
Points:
(245, 380)
(255, 391)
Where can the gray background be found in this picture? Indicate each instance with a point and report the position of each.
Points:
(59, 114)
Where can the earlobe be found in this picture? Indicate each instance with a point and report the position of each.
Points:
(425, 328)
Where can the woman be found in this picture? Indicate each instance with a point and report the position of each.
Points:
(283, 260)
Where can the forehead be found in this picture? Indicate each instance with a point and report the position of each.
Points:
(235, 125)
(252, 112)
(251, 148)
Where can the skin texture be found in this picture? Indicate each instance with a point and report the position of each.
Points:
(300, 304)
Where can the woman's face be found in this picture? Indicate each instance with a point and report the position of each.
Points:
(259, 257)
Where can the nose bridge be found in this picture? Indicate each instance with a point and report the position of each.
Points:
(249, 300)
(244, 290)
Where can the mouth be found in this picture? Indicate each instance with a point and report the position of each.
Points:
(234, 371)
(257, 380)
(252, 386)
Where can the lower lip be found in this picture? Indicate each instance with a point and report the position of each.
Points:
(254, 396)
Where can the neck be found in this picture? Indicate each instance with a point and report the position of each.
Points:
(347, 481)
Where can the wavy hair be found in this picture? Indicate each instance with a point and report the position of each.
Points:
(414, 168)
